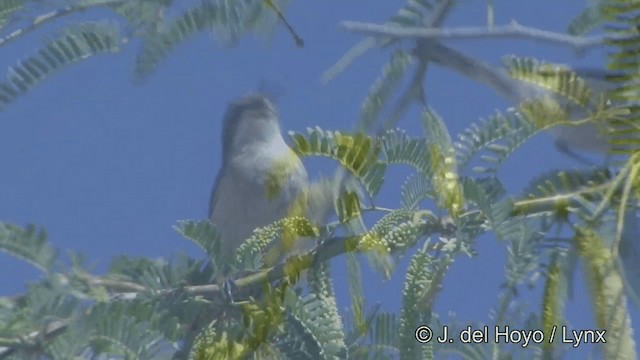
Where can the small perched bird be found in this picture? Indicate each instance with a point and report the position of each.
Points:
(567, 138)
(260, 177)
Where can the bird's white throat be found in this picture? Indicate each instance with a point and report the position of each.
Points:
(259, 133)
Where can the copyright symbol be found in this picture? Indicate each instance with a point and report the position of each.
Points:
(423, 334)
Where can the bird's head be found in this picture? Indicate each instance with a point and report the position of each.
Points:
(249, 121)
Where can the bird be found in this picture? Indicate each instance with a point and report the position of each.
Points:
(586, 137)
(261, 177)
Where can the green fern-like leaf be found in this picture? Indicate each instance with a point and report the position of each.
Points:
(561, 97)
(490, 196)
(7, 9)
(553, 301)
(158, 274)
(382, 89)
(118, 330)
(348, 206)
(399, 148)
(414, 190)
(385, 330)
(75, 43)
(629, 252)
(322, 310)
(485, 135)
(202, 233)
(417, 284)
(356, 293)
(622, 34)
(588, 19)
(562, 191)
(68, 345)
(171, 34)
(227, 20)
(357, 153)
(297, 341)
(278, 238)
(558, 79)
(443, 159)
(607, 293)
(29, 244)
(494, 140)
(565, 181)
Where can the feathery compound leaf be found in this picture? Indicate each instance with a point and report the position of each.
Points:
(444, 176)
(356, 293)
(414, 190)
(483, 136)
(560, 191)
(156, 274)
(553, 301)
(171, 34)
(564, 98)
(357, 153)
(629, 253)
(49, 301)
(216, 345)
(623, 35)
(490, 196)
(382, 89)
(249, 255)
(566, 181)
(399, 148)
(29, 244)
(203, 233)
(558, 79)
(588, 20)
(348, 206)
(417, 284)
(118, 328)
(7, 9)
(607, 294)
(385, 330)
(228, 20)
(318, 333)
(324, 312)
(297, 341)
(73, 44)
(413, 13)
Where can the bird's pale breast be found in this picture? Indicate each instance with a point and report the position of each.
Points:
(243, 202)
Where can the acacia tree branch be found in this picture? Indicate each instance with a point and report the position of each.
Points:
(254, 281)
(512, 30)
(127, 291)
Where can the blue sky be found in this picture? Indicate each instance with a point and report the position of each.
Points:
(107, 167)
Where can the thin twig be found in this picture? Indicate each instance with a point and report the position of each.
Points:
(298, 40)
(512, 30)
